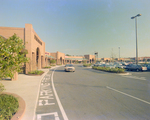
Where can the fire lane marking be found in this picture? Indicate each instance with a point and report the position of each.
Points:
(58, 100)
(128, 95)
(39, 116)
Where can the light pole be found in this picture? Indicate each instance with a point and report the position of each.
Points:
(96, 54)
(136, 35)
(119, 53)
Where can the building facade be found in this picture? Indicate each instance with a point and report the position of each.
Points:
(33, 44)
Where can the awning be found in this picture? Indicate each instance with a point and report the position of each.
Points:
(78, 59)
(49, 56)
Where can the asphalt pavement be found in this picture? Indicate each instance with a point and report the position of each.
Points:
(85, 94)
(90, 94)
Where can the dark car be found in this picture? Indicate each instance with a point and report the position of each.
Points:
(148, 67)
(136, 67)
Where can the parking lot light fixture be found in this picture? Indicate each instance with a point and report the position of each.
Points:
(136, 35)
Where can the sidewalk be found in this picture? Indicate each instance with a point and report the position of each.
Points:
(26, 87)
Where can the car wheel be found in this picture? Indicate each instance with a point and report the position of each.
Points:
(137, 70)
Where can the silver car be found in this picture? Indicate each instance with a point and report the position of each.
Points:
(69, 67)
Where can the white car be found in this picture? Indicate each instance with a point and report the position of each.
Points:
(69, 67)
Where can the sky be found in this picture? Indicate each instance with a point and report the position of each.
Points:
(80, 27)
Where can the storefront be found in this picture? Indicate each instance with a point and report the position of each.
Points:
(33, 44)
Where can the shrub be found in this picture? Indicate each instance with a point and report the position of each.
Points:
(107, 69)
(8, 106)
(36, 72)
(52, 61)
(53, 65)
(87, 65)
(47, 67)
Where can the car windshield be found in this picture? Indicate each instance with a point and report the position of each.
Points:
(69, 65)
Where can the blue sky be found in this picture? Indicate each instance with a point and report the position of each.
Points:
(79, 27)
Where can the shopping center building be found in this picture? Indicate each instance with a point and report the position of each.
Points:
(33, 44)
(58, 57)
(80, 59)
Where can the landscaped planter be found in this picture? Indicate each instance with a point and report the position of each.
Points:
(110, 70)
(33, 73)
(22, 107)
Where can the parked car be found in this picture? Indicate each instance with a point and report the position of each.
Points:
(107, 65)
(98, 63)
(69, 67)
(136, 67)
(102, 65)
(120, 66)
(148, 67)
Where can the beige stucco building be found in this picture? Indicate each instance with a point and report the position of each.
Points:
(80, 59)
(58, 56)
(33, 44)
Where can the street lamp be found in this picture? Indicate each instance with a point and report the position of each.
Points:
(96, 54)
(136, 35)
(119, 53)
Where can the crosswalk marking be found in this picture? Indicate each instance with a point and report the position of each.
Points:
(46, 99)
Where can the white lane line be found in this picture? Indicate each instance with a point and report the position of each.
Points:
(128, 95)
(134, 77)
(58, 100)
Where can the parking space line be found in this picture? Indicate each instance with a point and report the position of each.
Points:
(135, 77)
(128, 95)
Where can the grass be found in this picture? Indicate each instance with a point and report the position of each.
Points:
(8, 106)
(36, 72)
(107, 69)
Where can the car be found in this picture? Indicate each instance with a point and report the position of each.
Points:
(107, 65)
(148, 67)
(136, 67)
(69, 67)
(120, 66)
(98, 63)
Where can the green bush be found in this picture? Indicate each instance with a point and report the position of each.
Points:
(107, 69)
(52, 61)
(47, 67)
(53, 65)
(87, 65)
(36, 72)
(8, 106)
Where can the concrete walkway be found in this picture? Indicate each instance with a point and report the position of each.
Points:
(26, 87)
